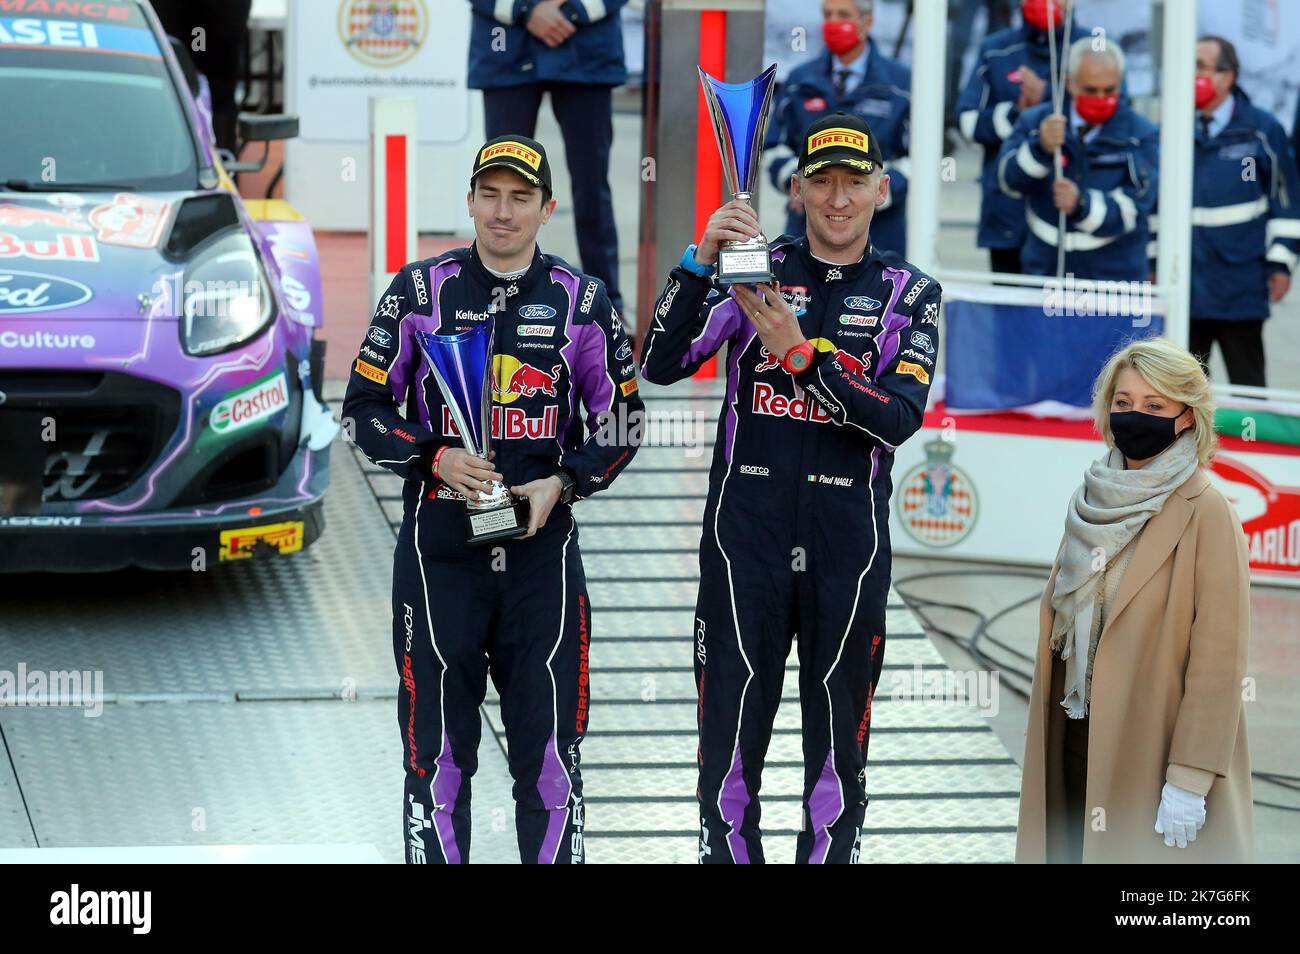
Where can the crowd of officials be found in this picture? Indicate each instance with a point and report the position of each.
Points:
(1068, 164)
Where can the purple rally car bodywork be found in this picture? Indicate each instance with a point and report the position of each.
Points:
(156, 447)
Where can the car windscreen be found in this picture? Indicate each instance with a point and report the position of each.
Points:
(85, 102)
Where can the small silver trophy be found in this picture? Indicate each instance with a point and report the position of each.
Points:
(739, 112)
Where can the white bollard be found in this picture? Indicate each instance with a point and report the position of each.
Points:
(393, 158)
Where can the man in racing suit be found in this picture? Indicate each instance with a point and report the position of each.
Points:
(827, 373)
(518, 608)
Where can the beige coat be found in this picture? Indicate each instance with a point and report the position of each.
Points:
(1166, 696)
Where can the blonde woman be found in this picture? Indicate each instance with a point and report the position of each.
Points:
(1136, 745)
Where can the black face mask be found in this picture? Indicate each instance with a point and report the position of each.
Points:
(1141, 436)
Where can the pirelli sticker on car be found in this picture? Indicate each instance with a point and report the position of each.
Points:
(628, 387)
(915, 370)
(367, 370)
(243, 543)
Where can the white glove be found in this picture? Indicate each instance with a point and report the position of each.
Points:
(1180, 816)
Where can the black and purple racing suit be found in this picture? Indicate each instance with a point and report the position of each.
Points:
(796, 528)
(516, 609)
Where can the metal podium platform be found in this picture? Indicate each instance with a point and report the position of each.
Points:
(255, 705)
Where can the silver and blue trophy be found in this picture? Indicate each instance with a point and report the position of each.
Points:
(462, 365)
(739, 112)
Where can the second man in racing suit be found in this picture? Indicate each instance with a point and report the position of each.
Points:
(828, 371)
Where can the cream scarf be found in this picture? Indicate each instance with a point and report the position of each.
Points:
(1106, 513)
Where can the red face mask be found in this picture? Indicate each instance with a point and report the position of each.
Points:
(840, 35)
(1036, 13)
(1095, 110)
(1205, 91)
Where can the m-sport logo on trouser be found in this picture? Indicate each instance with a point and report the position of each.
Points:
(577, 848)
(417, 823)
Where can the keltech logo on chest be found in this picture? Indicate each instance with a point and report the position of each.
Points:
(516, 149)
(838, 136)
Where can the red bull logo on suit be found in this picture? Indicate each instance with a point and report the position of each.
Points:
(513, 423)
(515, 379)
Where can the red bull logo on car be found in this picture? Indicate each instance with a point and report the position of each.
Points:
(62, 248)
(516, 379)
(19, 216)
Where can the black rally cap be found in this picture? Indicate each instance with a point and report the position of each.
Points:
(519, 154)
(840, 139)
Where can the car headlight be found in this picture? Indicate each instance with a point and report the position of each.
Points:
(227, 299)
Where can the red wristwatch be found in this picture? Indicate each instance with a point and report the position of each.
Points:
(799, 357)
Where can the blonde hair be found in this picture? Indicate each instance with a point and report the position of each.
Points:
(1171, 371)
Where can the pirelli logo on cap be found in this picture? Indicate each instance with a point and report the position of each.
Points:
(838, 136)
(366, 370)
(516, 149)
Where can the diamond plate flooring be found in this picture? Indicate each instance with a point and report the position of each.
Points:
(943, 788)
(254, 705)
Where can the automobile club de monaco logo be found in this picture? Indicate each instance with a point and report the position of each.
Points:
(936, 502)
(383, 33)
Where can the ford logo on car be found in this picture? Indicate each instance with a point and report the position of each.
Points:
(861, 303)
(536, 311)
(32, 291)
(380, 337)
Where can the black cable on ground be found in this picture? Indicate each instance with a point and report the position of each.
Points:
(971, 645)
